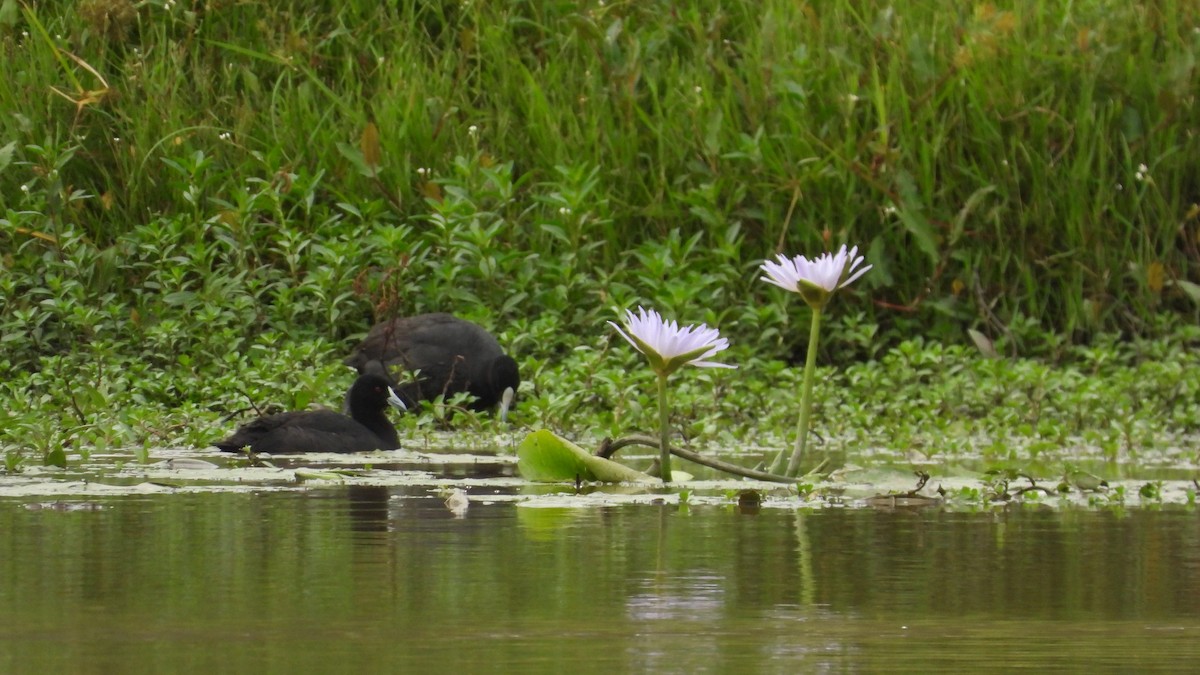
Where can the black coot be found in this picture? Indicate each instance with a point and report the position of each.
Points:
(367, 427)
(451, 354)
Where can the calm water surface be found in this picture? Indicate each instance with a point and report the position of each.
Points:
(387, 580)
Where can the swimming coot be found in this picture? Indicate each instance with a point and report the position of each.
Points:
(367, 427)
(451, 354)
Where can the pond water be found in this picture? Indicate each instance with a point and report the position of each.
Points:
(369, 578)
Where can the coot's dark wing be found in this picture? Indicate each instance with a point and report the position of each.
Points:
(254, 430)
(302, 439)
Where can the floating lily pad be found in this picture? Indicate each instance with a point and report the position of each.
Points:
(310, 474)
(546, 457)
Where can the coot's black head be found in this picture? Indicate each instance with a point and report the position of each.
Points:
(370, 394)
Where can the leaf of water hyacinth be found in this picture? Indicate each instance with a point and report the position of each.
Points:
(546, 457)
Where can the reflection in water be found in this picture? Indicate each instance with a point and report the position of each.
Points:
(804, 561)
(379, 579)
(368, 508)
(693, 597)
(673, 604)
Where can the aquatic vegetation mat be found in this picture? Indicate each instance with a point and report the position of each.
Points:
(462, 479)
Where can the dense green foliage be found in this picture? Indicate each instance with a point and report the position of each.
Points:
(202, 198)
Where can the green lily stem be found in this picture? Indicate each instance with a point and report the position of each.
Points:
(664, 431)
(810, 367)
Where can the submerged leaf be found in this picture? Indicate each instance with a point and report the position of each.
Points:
(189, 463)
(545, 457)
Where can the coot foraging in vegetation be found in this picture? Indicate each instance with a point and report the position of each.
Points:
(367, 427)
(451, 354)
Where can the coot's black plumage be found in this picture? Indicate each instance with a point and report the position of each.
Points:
(366, 428)
(452, 355)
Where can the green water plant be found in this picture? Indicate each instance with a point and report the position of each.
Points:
(815, 281)
(667, 347)
(547, 457)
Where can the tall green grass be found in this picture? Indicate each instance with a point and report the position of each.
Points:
(301, 166)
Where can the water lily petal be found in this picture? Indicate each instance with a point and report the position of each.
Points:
(667, 345)
(817, 279)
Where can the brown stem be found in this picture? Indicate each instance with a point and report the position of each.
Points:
(609, 447)
(787, 220)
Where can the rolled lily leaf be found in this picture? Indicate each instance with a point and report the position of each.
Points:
(1084, 481)
(312, 474)
(547, 458)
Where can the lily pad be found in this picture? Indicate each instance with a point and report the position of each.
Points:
(548, 458)
(311, 474)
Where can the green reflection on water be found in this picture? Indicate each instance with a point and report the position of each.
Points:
(379, 579)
